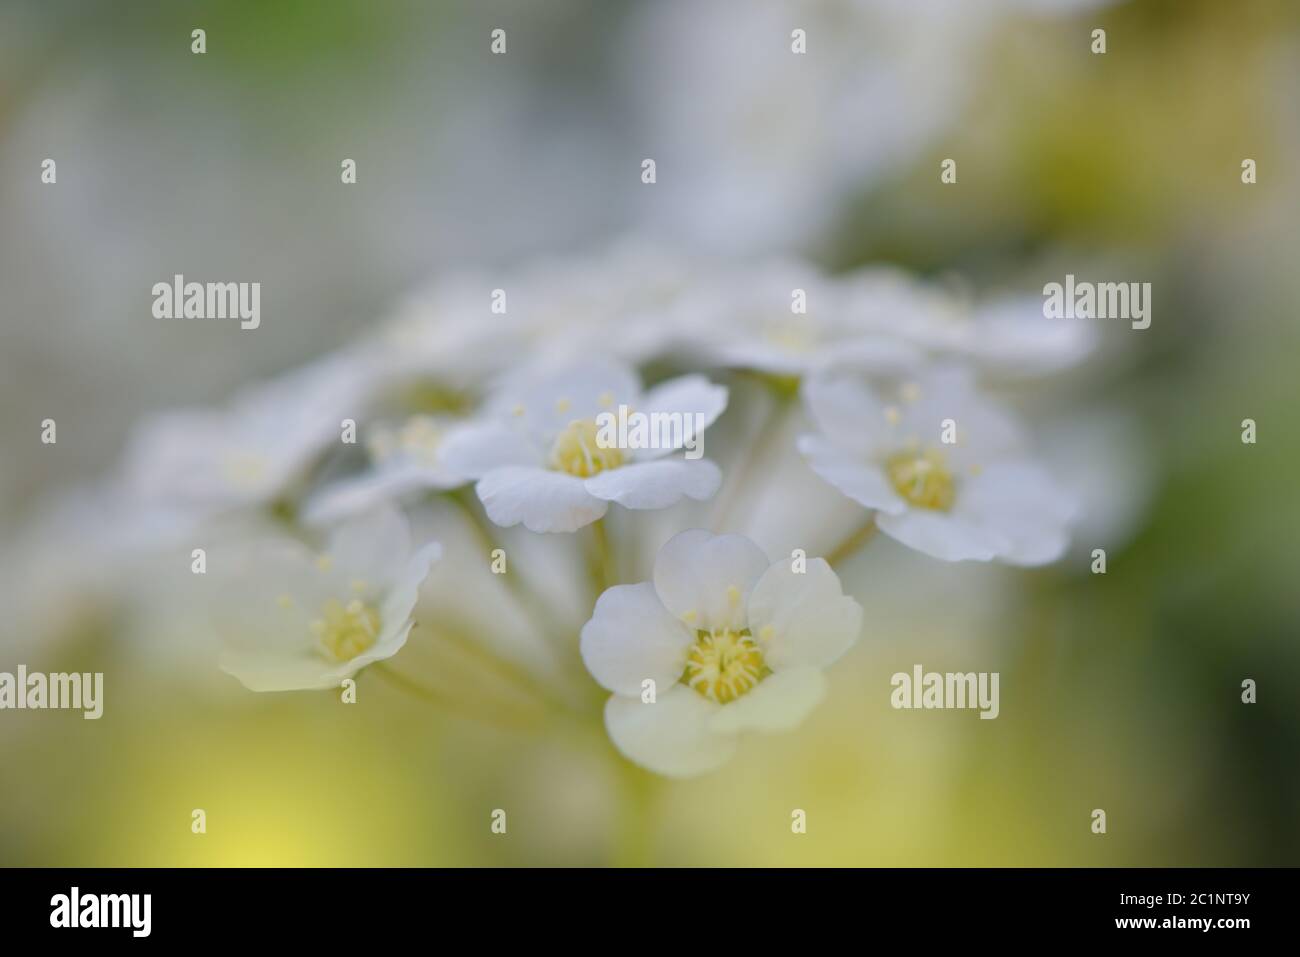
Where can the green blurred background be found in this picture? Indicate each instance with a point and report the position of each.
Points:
(1119, 692)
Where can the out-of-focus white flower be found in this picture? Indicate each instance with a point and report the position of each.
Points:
(405, 460)
(1008, 335)
(254, 450)
(778, 316)
(730, 643)
(758, 147)
(784, 317)
(1106, 462)
(538, 458)
(463, 330)
(625, 299)
(292, 620)
(976, 497)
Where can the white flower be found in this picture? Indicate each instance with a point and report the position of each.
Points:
(539, 459)
(761, 148)
(977, 497)
(466, 328)
(253, 451)
(1006, 335)
(731, 643)
(290, 619)
(785, 318)
(625, 299)
(405, 460)
(751, 320)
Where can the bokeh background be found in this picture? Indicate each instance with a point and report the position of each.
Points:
(1119, 691)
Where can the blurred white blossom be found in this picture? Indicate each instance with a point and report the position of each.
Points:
(943, 468)
(291, 619)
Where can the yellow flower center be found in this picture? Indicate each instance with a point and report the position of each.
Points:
(577, 452)
(345, 631)
(723, 665)
(419, 438)
(922, 478)
(793, 335)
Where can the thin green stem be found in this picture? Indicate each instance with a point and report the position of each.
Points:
(856, 539)
(500, 668)
(532, 603)
(603, 572)
(444, 702)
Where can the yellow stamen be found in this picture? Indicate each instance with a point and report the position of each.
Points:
(723, 665)
(577, 452)
(345, 631)
(923, 479)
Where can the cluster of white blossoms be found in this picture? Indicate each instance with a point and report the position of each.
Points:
(356, 506)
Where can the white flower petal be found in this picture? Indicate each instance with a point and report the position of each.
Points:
(544, 501)
(632, 637)
(984, 432)
(477, 449)
(943, 535)
(1012, 335)
(361, 493)
(802, 618)
(1023, 506)
(670, 737)
(870, 354)
(858, 478)
(780, 702)
(301, 670)
(693, 397)
(369, 548)
(546, 400)
(705, 579)
(658, 484)
(402, 595)
(847, 412)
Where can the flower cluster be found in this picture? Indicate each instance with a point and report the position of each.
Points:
(478, 409)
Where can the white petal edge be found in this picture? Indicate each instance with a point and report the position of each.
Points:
(632, 637)
(544, 501)
(671, 737)
(705, 579)
(780, 702)
(694, 397)
(803, 618)
(647, 485)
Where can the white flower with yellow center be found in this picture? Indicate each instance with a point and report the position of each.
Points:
(785, 318)
(291, 619)
(405, 459)
(541, 457)
(943, 468)
(254, 450)
(730, 642)
(1007, 335)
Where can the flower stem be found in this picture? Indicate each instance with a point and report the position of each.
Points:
(602, 563)
(532, 603)
(859, 537)
(443, 702)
